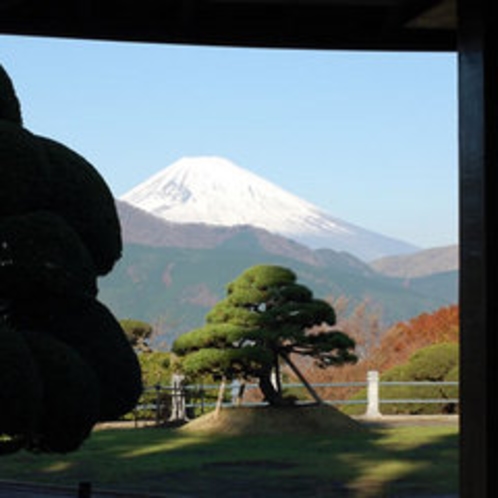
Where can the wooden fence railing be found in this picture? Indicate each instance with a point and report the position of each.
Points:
(174, 401)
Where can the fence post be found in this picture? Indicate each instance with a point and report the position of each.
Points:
(373, 394)
(237, 391)
(178, 408)
(158, 403)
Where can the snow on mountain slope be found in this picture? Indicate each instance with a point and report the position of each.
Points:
(215, 191)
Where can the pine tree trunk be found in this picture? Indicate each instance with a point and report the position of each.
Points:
(271, 395)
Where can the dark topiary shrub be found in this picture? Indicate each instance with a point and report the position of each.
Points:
(40, 253)
(89, 328)
(70, 395)
(24, 175)
(80, 195)
(66, 362)
(10, 109)
(20, 385)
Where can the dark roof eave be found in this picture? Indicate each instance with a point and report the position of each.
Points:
(423, 40)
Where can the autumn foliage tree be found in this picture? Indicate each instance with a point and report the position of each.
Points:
(393, 347)
(265, 318)
(404, 338)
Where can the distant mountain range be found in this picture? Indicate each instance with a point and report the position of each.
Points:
(420, 264)
(215, 191)
(142, 228)
(171, 274)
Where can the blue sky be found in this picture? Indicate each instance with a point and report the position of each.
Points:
(369, 137)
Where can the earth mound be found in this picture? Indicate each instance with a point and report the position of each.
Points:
(261, 420)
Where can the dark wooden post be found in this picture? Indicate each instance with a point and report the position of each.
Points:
(301, 377)
(84, 490)
(478, 135)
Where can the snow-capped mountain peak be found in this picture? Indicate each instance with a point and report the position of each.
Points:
(215, 191)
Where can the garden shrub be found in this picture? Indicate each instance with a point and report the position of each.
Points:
(437, 362)
(21, 387)
(65, 362)
(70, 395)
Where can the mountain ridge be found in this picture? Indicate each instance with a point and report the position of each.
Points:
(141, 227)
(215, 191)
(171, 274)
(419, 264)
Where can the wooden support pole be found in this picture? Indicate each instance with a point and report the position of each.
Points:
(478, 135)
(301, 377)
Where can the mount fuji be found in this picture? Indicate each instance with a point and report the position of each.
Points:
(215, 191)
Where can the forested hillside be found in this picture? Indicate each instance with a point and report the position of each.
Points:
(174, 288)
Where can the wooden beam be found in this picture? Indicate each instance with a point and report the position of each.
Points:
(336, 24)
(478, 121)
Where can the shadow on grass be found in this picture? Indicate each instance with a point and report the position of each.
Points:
(400, 461)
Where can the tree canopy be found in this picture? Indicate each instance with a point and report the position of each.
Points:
(138, 334)
(265, 318)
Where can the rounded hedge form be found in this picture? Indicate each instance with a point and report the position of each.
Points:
(433, 362)
(40, 253)
(20, 385)
(65, 362)
(91, 330)
(80, 195)
(24, 172)
(70, 395)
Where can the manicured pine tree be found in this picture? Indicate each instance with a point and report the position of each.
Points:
(265, 318)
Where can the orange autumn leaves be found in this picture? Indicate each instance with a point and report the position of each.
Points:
(395, 347)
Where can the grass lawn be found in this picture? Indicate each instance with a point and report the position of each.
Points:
(396, 461)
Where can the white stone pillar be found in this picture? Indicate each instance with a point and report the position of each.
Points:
(178, 408)
(373, 394)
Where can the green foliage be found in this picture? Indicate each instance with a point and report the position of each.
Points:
(265, 316)
(138, 333)
(452, 392)
(219, 335)
(433, 362)
(438, 362)
(156, 367)
(245, 361)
